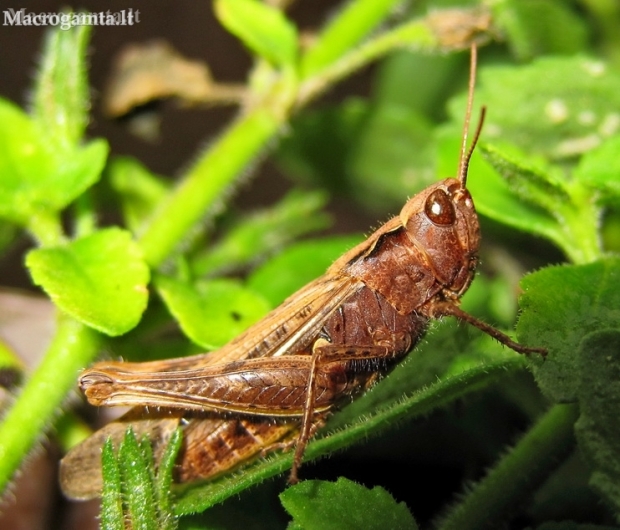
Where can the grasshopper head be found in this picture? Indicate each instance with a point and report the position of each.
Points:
(442, 223)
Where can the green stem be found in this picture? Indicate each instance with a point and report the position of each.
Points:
(518, 474)
(85, 219)
(73, 347)
(343, 32)
(207, 182)
(415, 35)
(46, 228)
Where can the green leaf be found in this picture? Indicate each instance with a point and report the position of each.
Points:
(296, 266)
(431, 75)
(600, 169)
(557, 107)
(377, 154)
(165, 470)
(100, 279)
(598, 428)
(137, 484)
(541, 187)
(539, 27)
(211, 312)
(561, 305)
(140, 191)
(112, 517)
(33, 177)
(262, 28)
(70, 430)
(264, 232)
(11, 363)
(526, 198)
(529, 194)
(75, 174)
(134, 495)
(61, 98)
(321, 143)
(336, 505)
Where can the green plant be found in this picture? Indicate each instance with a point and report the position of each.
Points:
(548, 168)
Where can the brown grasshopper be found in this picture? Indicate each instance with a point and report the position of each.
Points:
(276, 383)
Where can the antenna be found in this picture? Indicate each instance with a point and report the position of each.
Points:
(465, 156)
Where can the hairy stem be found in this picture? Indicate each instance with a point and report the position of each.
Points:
(73, 347)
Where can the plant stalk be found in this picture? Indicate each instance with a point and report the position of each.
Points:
(73, 347)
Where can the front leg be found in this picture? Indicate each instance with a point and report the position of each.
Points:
(439, 309)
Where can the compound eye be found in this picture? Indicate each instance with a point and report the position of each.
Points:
(439, 208)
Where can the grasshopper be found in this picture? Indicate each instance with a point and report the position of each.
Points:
(275, 384)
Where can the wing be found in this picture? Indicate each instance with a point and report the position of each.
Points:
(211, 446)
(289, 329)
(264, 371)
